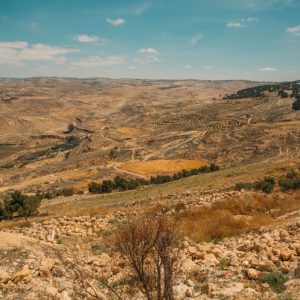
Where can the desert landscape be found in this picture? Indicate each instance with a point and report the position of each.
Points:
(238, 230)
(149, 150)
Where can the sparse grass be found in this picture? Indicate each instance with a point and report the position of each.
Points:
(224, 263)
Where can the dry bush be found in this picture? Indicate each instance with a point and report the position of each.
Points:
(233, 217)
(146, 242)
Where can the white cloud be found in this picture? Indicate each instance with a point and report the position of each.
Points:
(268, 69)
(294, 30)
(115, 22)
(142, 8)
(132, 67)
(195, 40)
(259, 4)
(20, 51)
(208, 67)
(147, 56)
(100, 61)
(242, 22)
(235, 24)
(148, 51)
(189, 67)
(84, 38)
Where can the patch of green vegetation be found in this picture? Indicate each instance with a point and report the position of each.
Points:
(266, 185)
(224, 263)
(17, 204)
(290, 181)
(123, 184)
(275, 280)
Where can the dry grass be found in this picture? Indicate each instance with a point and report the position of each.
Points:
(287, 123)
(233, 217)
(162, 166)
(129, 131)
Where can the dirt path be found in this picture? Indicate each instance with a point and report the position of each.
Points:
(175, 146)
(129, 173)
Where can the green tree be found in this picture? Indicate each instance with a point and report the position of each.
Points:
(30, 206)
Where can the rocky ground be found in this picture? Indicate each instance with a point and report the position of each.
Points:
(38, 261)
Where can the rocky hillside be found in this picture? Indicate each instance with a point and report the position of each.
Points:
(40, 261)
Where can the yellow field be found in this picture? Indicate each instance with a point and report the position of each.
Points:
(287, 123)
(162, 166)
(132, 132)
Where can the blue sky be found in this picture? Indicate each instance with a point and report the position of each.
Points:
(160, 39)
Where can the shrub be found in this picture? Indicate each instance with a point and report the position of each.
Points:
(296, 104)
(266, 185)
(147, 241)
(1, 211)
(65, 192)
(290, 181)
(94, 187)
(243, 185)
(13, 204)
(275, 281)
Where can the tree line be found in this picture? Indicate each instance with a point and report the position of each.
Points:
(123, 184)
(281, 88)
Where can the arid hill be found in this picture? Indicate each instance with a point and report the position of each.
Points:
(70, 131)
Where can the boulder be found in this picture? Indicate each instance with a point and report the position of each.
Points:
(4, 277)
(285, 254)
(180, 290)
(187, 266)
(23, 275)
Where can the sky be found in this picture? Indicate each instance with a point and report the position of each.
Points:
(154, 39)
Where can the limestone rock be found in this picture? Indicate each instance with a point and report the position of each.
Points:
(285, 254)
(4, 277)
(253, 274)
(23, 275)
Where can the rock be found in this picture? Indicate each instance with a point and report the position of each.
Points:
(187, 265)
(45, 270)
(297, 248)
(58, 271)
(23, 275)
(4, 277)
(210, 260)
(204, 289)
(103, 260)
(190, 292)
(232, 290)
(285, 254)
(64, 296)
(180, 290)
(253, 274)
(51, 291)
(284, 268)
